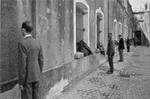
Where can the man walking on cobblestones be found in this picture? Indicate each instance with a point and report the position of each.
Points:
(110, 53)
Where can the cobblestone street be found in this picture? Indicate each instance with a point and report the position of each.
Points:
(63, 49)
(130, 80)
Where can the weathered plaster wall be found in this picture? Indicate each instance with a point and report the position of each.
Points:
(0, 31)
(13, 13)
(94, 4)
(119, 14)
(53, 22)
(9, 38)
(0, 44)
(55, 31)
(106, 29)
(130, 21)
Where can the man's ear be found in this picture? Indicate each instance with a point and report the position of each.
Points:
(23, 30)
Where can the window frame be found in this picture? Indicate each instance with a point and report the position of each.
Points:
(115, 29)
(99, 11)
(83, 2)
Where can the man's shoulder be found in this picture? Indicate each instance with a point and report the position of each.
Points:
(37, 41)
(112, 41)
(122, 39)
(34, 42)
(21, 41)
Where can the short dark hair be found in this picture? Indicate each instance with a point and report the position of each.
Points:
(110, 34)
(119, 35)
(27, 25)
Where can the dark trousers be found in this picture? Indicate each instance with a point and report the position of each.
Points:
(128, 48)
(31, 91)
(121, 54)
(111, 64)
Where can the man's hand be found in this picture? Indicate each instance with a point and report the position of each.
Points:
(21, 87)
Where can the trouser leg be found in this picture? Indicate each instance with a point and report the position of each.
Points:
(121, 55)
(35, 90)
(31, 91)
(27, 92)
(110, 60)
(122, 58)
(128, 48)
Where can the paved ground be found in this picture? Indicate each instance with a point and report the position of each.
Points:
(131, 80)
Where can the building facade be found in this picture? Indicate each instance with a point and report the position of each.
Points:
(145, 25)
(59, 26)
(142, 32)
(122, 18)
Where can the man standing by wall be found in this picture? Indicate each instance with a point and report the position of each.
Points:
(110, 53)
(128, 44)
(30, 63)
(121, 48)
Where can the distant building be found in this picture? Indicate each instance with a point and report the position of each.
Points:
(146, 24)
(143, 18)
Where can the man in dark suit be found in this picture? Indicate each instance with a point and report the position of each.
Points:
(30, 63)
(128, 44)
(110, 53)
(121, 48)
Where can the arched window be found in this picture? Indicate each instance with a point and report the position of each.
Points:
(115, 29)
(120, 28)
(81, 22)
(99, 26)
(126, 31)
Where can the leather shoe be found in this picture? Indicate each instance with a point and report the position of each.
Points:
(109, 72)
(120, 60)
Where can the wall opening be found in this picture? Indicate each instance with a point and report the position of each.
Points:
(81, 29)
(120, 28)
(99, 27)
(115, 29)
(81, 22)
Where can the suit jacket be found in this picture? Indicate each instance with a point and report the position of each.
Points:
(128, 42)
(110, 48)
(121, 44)
(30, 60)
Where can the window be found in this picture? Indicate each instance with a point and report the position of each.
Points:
(125, 31)
(120, 28)
(115, 29)
(81, 22)
(99, 27)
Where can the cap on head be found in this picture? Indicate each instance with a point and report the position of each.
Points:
(27, 25)
(119, 35)
(110, 34)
